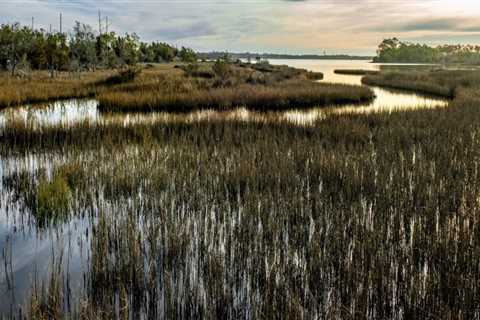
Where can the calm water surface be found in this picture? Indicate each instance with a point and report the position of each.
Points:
(27, 252)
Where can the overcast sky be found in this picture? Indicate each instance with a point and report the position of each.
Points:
(280, 26)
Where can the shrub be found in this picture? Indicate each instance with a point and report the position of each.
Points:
(221, 69)
(123, 76)
(194, 70)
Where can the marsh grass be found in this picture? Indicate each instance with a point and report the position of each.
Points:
(52, 199)
(437, 82)
(41, 88)
(291, 95)
(47, 300)
(160, 87)
(265, 88)
(208, 85)
(48, 199)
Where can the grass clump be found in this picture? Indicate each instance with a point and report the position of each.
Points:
(52, 199)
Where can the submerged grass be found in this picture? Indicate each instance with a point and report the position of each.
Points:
(52, 199)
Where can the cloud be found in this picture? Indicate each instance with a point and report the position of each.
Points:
(263, 25)
(190, 30)
(451, 24)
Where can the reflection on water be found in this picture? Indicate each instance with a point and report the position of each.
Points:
(327, 67)
(28, 252)
(68, 112)
(56, 113)
(391, 101)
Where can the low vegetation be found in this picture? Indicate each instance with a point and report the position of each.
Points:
(443, 83)
(223, 85)
(291, 95)
(52, 199)
(40, 87)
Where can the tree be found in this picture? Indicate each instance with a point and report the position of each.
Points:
(40, 50)
(394, 50)
(105, 52)
(14, 45)
(83, 46)
(57, 52)
(146, 53)
(188, 55)
(164, 52)
(127, 49)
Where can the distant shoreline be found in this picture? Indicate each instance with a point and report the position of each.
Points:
(254, 56)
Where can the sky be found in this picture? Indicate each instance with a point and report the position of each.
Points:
(277, 26)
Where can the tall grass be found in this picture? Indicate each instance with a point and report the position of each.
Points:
(290, 95)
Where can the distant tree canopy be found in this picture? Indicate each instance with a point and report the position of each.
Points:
(394, 50)
(81, 49)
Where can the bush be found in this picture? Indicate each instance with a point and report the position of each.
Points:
(194, 70)
(221, 69)
(123, 76)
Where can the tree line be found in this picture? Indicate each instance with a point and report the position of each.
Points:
(23, 48)
(394, 50)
